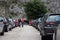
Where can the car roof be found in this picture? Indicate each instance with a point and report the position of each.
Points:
(52, 14)
(49, 14)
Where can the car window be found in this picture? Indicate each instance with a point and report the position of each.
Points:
(53, 18)
(5, 19)
(1, 18)
(39, 19)
(58, 18)
(10, 20)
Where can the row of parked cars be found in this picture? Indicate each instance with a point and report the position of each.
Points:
(7, 24)
(47, 25)
(35, 23)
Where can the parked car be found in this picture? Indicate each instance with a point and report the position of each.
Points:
(5, 21)
(26, 21)
(35, 23)
(6, 24)
(11, 23)
(31, 22)
(1, 26)
(49, 26)
(16, 22)
(39, 23)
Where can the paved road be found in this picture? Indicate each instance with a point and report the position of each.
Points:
(25, 33)
(58, 34)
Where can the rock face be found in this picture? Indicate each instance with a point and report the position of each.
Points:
(23, 1)
(2, 8)
(53, 5)
(5, 8)
(17, 10)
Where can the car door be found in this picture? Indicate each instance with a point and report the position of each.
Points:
(1, 24)
(58, 31)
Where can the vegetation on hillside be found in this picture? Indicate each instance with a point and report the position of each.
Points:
(35, 9)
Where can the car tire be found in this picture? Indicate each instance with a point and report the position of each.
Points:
(38, 29)
(10, 29)
(47, 37)
(2, 33)
(15, 25)
(6, 28)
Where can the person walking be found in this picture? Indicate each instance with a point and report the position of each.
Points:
(19, 22)
(22, 21)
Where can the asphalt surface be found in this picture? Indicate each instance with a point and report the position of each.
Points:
(25, 33)
(58, 34)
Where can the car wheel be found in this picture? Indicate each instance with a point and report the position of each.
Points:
(47, 37)
(42, 37)
(2, 33)
(38, 30)
(10, 29)
(6, 28)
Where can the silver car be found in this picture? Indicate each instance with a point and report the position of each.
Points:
(50, 26)
(11, 22)
(1, 26)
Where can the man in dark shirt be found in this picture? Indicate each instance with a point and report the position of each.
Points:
(19, 20)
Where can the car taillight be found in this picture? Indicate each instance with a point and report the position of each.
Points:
(4, 22)
(52, 23)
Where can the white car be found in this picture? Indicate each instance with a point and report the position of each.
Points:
(1, 26)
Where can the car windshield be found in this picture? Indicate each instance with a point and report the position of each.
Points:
(10, 20)
(1, 18)
(53, 18)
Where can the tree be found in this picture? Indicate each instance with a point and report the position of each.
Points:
(34, 9)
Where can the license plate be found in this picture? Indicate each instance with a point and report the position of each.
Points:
(48, 27)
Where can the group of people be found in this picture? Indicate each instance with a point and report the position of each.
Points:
(21, 22)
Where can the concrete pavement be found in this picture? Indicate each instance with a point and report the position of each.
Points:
(25, 33)
(58, 34)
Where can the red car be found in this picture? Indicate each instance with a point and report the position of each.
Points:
(30, 22)
(16, 23)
